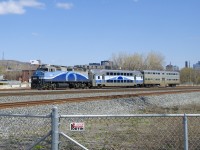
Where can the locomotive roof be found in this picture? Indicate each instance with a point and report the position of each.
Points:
(157, 71)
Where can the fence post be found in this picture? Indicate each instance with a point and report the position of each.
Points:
(185, 132)
(54, 129)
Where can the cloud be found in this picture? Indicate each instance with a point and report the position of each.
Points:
(34, 34)
(65, 5)
(18, 6)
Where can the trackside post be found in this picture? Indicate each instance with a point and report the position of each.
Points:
(185, 124)
(54, 129)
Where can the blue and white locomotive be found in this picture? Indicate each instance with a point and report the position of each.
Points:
(58, 79)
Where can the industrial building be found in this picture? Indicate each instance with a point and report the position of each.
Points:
(196, 66)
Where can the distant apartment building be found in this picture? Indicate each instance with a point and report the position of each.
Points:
(107, 64)
(103, 65)
(171, 67)
(187, 64)
(35, 62)
(196, 66)
(26, 75)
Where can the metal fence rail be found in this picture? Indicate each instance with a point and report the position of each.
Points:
(63, 132)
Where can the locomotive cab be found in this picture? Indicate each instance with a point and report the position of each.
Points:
(37, 79)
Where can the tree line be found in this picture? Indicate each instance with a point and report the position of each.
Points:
(152, 61)
(190, 76)
(136, 61)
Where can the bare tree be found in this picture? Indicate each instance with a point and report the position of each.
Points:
(2, 70)
(13, 75)
(137, 61)
(119, 60)
(154, 61)
(133, 62)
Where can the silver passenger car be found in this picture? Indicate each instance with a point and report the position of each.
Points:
(118, 78)
(161, 78)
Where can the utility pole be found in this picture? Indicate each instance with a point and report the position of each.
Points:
(3, 56)
(190, 74)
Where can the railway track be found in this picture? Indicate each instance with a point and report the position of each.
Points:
(78, 91)
(84, 99)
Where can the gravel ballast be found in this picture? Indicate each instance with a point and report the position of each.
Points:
(115, 106)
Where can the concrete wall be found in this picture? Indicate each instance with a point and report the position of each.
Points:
(17, 86)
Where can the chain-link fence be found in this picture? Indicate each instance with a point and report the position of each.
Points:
(157, 132)
(21, 132)
(101, 132)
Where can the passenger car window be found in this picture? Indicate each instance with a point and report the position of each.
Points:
(103, 77)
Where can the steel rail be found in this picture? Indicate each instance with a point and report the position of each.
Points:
(78, 91)
(84, 99)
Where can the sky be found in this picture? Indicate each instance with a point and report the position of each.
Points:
(79, 32)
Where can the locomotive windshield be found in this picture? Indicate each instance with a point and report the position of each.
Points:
(38, 73)
(42, 69)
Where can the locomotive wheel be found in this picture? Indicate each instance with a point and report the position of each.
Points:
(76, 85)
(53, 86)
(71, 85)
(83, 85)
